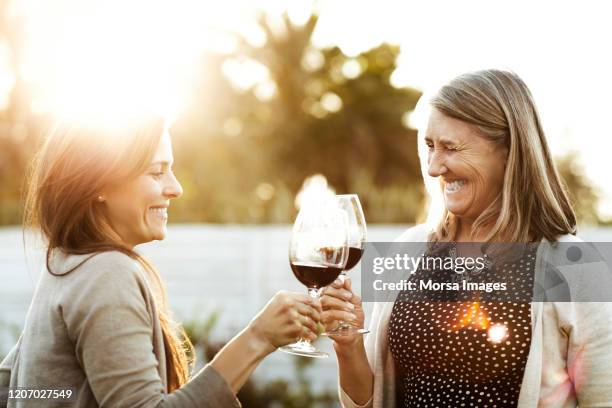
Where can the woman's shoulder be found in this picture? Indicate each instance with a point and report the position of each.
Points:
(113, 270)
(416, 233)
(577, 270)
(112, 262)
(558, 250)
(100, 280)
(569, 238)
(106, 262)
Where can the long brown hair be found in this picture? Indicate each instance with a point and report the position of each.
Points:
(74, 165)
(533, 203)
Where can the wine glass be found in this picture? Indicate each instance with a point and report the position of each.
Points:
(318, 252)
(350, 204)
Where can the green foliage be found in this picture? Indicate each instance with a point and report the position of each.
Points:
(241, 157)
(260, 394)
(281, 393)
(283, 140)
(583, 195)
(199, 334)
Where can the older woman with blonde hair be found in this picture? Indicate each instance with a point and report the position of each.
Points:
(485, 146)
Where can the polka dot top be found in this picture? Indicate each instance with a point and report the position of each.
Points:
(463, 349)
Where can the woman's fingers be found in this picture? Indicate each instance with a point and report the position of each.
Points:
(308, 323)
(288, 317)
(356, 300)
(309, 334)
(329, 302)
(337, 284)
(301, 327)
(332, 315)
(302, 303)
(306, 300)
(338, 293)
(309, 311)
(301, 298)
(304, 314)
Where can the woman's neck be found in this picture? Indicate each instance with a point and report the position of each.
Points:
(464, 231)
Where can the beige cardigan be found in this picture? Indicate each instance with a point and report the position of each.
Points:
(97, 330)
(569, 362)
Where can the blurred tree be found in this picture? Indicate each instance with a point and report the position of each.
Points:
(293, 391)
(243, 149)
(318, 111)
(583, 195)
(19, 128)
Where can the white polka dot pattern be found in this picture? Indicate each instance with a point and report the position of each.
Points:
(445, 353)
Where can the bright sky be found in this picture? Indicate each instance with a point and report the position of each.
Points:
(559, 49)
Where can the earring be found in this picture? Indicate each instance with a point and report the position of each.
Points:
(100, 198)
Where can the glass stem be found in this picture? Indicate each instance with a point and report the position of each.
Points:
(313, 293)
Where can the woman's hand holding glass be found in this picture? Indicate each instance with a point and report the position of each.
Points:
(341, 303)
(287, 317)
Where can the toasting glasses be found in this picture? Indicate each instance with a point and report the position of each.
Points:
(357, 235)
(318, 253)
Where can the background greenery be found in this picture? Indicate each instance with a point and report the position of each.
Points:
(282, 392)
(242, 157)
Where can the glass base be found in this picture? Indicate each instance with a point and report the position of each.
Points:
(345, 331)
(304, 349)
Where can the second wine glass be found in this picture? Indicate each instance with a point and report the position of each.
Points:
(357, 235)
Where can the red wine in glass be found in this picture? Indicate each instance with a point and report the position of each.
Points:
(353, 258)
(314, 275)
(318, 251)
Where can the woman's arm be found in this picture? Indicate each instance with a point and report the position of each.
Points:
(6, 367)
(589, 352)
(287, 317)
(107, 312)
(108, 319)
(356, 378)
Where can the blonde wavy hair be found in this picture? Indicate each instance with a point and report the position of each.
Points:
(73, 166)
(533, 202)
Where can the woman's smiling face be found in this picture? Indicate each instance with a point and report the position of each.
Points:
(470, 167)
(138, 209)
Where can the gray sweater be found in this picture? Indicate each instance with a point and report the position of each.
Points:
(97, 330)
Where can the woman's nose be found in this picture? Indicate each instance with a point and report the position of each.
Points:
(173, 189)
(436, 165)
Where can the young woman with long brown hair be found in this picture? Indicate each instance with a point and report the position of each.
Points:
(99, 321)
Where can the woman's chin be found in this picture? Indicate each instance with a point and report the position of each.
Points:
(158, 234)
(457, 207)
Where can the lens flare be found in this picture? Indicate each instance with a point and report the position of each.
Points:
(476, 317)
(497, 333)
